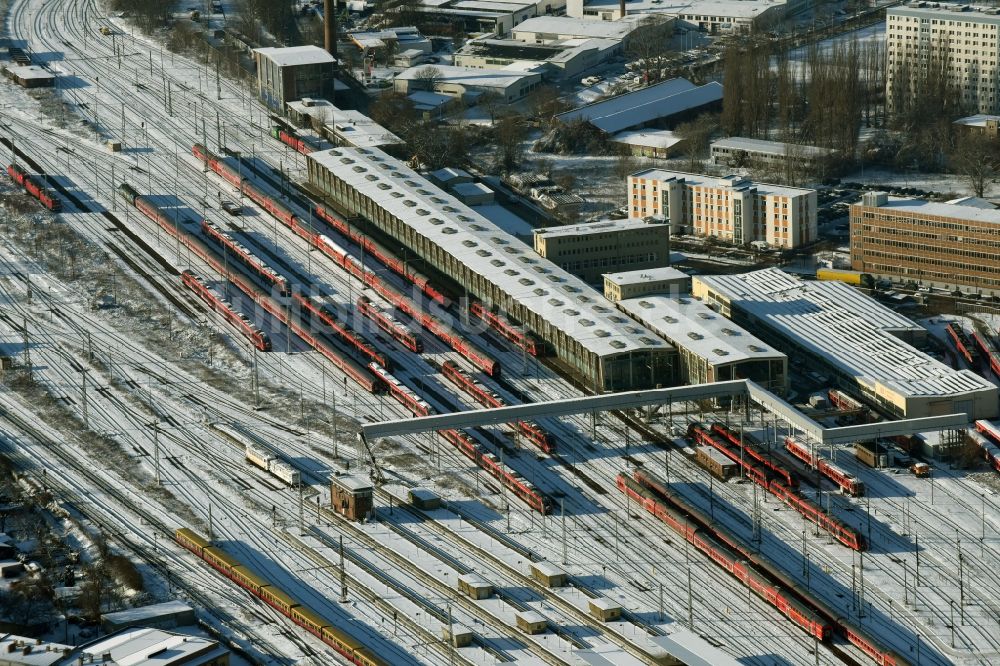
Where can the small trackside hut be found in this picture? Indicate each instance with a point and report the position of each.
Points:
(351, 496)
(604, 609)
(531, 622)
(548, 574)
(475, 586)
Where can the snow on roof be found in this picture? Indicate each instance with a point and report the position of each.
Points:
(690, 324)
(905, 206)
(25, 72)
(577, 27)
(771, 147)
(605, 604)
(424, 99)
(645, 105)
(547, 568)
(352, 482)
(850, 330)
(295, 55)
(691, 649)
(470, 76)
(137, 615)
(972, 202)
(470, 189)
(978, 120)
(474, 580)
(46, 654)
(134, 647)
(449, 174)
(601, 226)
(736, 182)
(737, 9)
(963, 12)
(568, 303)
(645, 275)
(650, 138)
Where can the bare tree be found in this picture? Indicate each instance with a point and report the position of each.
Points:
(647, 44)
(510, 134)
(977, 158)
(427, 77)
(696, 135)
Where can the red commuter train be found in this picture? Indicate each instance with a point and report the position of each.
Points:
(35, 187)
(487, 398)
(763, 477)
(299, 144)
(323, 243)
(327, 315)
(523, 339)
(987, 438)
(238, 320)
(513, 481)
(963, 344)
(243, 253)
(396, 329)
(747, 444)
(848, 483)
(727, 558)
(988, 350)
(179, 229)
(403, 394)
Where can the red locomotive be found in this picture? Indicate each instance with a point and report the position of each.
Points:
(847, 483)
(766, 479)
(988, 350)
(487, 398)
(399, 331)
(727, 558)
(238, 320)
(180, 230)
(963, 344)
(35, 187)
(513, 481)
(747, 444)
(403, 394)
(242, 253)
(523, 339)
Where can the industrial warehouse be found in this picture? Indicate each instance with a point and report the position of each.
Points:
(863, 343)
(587, 334)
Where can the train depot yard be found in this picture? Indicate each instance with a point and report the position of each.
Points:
(350, 418)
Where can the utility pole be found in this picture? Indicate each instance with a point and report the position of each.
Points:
(302, 524)
(333, 402)
(27, 344)
(83, 396)
(562, 509)
(343, 574)
(211, 536)
(156, 452)
(961, 583)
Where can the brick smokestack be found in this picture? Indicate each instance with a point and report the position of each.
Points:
(621, 7)
(330, 26)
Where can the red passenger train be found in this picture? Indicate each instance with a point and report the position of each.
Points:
(180, 230)
(777, 486)
(987, 438)
(327, 316)
(848, 483)
(487, 398)
(728, 559)
(963, 344)
(988, 350)
(523, 339)
(747, 444)
(238, 320)
(299, 144)
(511, 480)
(323, 243)
(396, 329)
(403, 394)
(243, 254)
(35, 187)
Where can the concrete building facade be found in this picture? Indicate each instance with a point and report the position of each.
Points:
(469, 84)
(961, 40)
(731, 208)
(593, 249)
(712, 16)
(633, 284)
(737, 151)
(288, 74)
(946, 245)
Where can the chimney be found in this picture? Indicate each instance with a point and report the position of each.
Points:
(330, 26)
(621, 7)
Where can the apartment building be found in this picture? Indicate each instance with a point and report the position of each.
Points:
(730, 208)
(963, 39)
(289, 74)
(593, 249)
(946, 245)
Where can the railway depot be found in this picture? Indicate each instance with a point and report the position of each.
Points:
(606, 349)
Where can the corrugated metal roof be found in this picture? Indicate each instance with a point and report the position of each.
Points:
(848, 329)
(645, 105)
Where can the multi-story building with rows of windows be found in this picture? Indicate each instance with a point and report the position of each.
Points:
(946, 245)
(961, 40)
(731, 208)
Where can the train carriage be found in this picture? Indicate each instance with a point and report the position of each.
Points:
(219, 559)
(310, 620)
(248, 579)
(191, 540)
